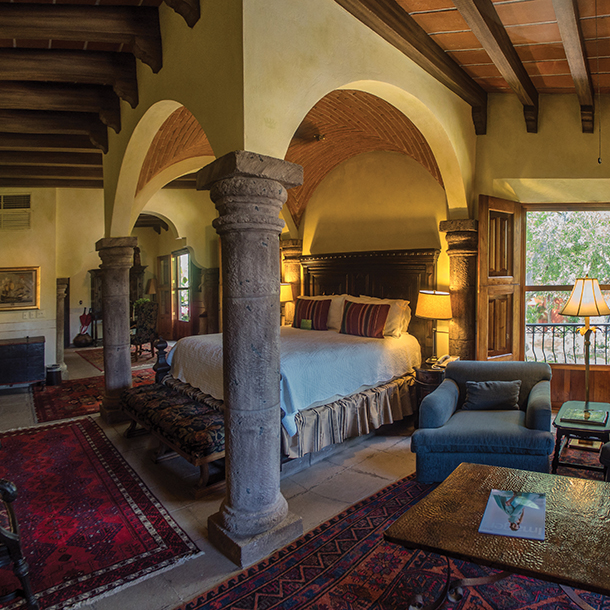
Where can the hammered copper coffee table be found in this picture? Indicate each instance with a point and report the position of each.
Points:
(577, 538)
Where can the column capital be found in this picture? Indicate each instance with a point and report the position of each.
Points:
(62, 285)
(116, 251)
(291, 248)
(462, 235)
(245, 164)
(115, 242)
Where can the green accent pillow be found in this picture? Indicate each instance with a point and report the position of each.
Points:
(492, 395)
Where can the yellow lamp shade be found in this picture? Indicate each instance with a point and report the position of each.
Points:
(433, 305)
(285, 292)
(586, 300)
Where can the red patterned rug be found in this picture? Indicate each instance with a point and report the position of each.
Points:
(345, 564)
(89, 524)
(95, 357)
(77, 397)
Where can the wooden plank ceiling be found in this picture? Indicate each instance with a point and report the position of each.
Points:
(65, 64)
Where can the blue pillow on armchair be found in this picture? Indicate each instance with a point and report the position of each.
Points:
(492, 395)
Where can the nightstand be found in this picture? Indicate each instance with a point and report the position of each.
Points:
(426, 380)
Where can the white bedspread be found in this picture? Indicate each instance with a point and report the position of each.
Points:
(317, 367)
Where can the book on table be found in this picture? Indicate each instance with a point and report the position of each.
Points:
(580, 416)
(514, 514)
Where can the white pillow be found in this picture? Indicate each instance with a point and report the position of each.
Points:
(335, 313)
(395, 324)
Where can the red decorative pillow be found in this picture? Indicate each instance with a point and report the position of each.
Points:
(316, 311)
(364, 319)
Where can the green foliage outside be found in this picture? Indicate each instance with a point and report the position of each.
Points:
(561, 247)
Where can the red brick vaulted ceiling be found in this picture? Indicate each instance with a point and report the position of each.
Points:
(342, 125)
(180, 137)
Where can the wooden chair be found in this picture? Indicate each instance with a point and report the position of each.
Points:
(10, 548)
(146, 326)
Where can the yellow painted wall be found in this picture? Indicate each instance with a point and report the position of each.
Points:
(33, 248)
(80, 223)
(557, 164)
(192, 213)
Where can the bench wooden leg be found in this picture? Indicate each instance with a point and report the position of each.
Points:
(201, 486)
(133, 430)
(163, 452)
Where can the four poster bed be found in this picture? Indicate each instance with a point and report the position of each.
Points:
(343, 376)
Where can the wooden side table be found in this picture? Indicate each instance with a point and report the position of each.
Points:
(583, 431)
(426, 381)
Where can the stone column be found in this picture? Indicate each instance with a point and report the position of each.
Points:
(249, 190)
(60, 316)
(117, 257)
(463, 245)
(291, 249)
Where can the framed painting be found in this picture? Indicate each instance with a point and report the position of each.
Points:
(19, 288)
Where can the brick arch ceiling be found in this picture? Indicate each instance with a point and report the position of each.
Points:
(341, 125)
(179, 138)
(344, 124)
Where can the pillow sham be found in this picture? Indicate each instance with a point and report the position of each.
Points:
(364, 319)
(314, 311)
(335, 313)
(395, 324)
(492, 395)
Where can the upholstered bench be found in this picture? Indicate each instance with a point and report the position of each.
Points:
(189, 427)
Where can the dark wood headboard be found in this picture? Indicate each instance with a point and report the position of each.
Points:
(389, 274)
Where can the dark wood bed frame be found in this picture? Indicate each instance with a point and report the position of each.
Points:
(389, 274)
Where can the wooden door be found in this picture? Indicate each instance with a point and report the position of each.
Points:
(164, 294)
(500, 317)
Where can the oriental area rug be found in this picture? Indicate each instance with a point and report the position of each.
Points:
(345, 564)
(77, 397)
(95, 356)
(89, 525)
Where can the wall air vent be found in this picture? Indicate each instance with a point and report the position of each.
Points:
(14, 212)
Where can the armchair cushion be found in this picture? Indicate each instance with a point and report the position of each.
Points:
(498, 432)
(492, 395)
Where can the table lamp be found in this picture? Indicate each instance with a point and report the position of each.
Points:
(433, 305)
(285, 297)
(586, 301)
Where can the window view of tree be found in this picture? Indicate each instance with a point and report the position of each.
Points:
(562, 246)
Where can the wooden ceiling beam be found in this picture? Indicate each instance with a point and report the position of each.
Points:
(482, 18)
(44, 142)
(39, 183)
(568, 20)
(135, 26)
(63, 97)
(21, 157)
(188, 9)
(32, 171)
(396, 26)
(64, 123)
(83, 67)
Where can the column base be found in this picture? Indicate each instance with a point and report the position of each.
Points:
(111, 411)
(244, 551)
(63, 367)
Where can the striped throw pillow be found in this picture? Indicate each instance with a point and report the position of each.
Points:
(364, 319)
(316, 311)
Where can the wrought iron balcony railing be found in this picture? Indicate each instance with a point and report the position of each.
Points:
(563, 343)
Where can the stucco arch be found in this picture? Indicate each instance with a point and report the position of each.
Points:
(120, 212)
(428, 124)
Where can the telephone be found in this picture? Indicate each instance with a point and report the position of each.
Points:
(443, 361)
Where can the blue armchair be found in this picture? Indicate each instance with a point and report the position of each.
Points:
(499, 424)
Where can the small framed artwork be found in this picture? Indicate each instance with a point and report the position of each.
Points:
(19, 288)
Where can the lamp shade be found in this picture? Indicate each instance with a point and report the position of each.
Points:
(151, 287)
(433, 305)
(586, 299)
(285, 292)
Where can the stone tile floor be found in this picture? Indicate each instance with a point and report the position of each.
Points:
(316, 494)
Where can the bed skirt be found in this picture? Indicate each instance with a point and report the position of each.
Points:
(356, 415)
(319, 427)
